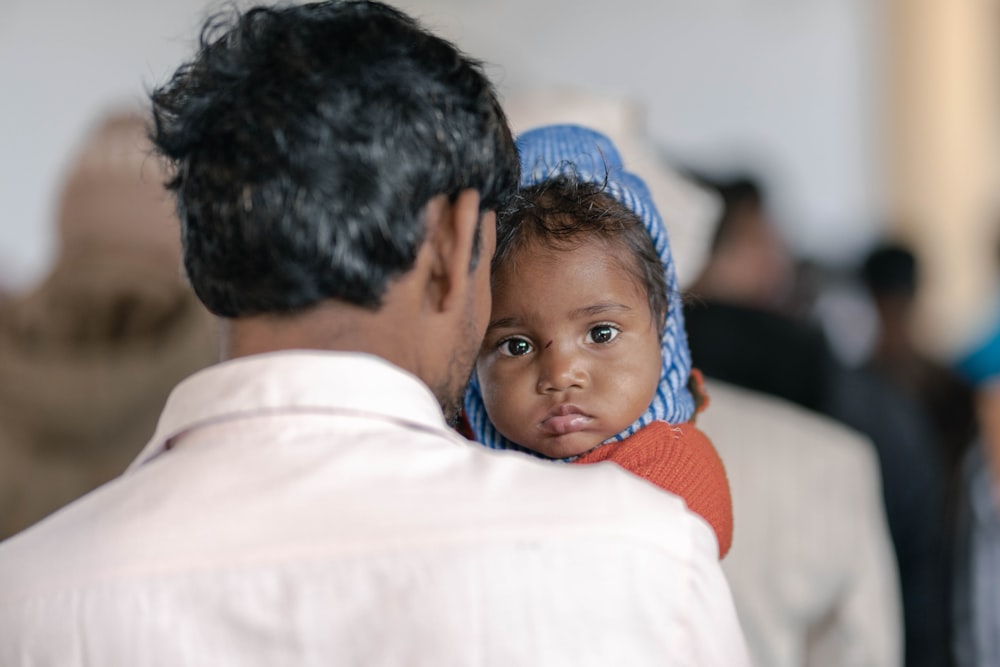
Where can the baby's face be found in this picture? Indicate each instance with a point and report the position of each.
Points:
(572, 353)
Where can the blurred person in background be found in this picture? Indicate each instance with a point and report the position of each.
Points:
(740, 331)
(88, 358)
(920, 416)
(891, 274)
(812, 568)
(976, 599)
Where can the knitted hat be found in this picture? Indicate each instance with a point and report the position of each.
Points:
(690, 212)
(580, 153)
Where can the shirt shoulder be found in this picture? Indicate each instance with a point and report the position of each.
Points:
(208, 506)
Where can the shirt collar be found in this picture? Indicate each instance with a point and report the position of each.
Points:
(300, 380)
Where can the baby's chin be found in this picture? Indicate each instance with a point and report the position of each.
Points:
(565, 446)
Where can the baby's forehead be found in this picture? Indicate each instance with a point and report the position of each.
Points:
(535, 247)
(537, 251)
(629, 251)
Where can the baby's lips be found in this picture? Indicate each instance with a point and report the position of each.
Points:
(563, 421)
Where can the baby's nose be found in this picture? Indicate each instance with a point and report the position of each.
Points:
(560, 370)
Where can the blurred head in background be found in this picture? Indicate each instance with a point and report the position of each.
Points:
(117, 267)
(890, 273)
(750, 263)
(88, 357)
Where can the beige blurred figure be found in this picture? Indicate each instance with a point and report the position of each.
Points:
(811, 569)
(88, 357)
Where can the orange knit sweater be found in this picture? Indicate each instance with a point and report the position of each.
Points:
(682, 460)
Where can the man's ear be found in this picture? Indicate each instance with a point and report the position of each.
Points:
(451, 236)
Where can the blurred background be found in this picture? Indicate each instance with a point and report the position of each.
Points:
(864, 118)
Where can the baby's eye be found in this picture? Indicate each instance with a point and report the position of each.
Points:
(514, 347)
(603, 333)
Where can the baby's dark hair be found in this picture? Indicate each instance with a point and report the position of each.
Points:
(563, 213)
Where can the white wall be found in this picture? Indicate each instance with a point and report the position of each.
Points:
(64, 63)
(792, 86)
(786, 84)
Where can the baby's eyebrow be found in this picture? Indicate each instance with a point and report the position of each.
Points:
(504, 323)
(597, 309)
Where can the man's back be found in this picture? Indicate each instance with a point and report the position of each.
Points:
(298, 508)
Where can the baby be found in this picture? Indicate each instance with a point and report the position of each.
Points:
(585, 358)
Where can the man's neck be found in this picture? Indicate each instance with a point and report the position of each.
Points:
(327, 326)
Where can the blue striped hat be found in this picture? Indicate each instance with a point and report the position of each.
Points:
(583, 154)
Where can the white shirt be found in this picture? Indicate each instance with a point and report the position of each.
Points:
(307, 508)
(812, 568)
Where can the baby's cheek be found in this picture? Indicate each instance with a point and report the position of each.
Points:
(638, 386)
(494, 385)
(488, 387)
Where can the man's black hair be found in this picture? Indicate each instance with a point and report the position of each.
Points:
(306, 141)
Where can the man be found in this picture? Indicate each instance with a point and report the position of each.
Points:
(337, 170)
